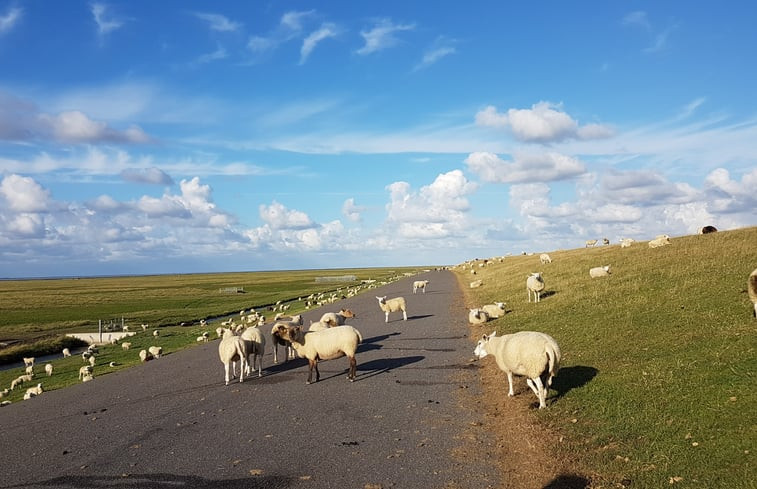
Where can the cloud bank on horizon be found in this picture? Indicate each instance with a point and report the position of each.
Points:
(178, 137)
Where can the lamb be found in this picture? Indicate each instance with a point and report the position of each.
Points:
(751, 287)
(66, 352)
(28, 362)
(232, 349)
(145, 355)
(49, 369)
(125, 345)
(530, 353)
(33, 391)
(337, 318)
(255, 346)
(325, 345)
(591, 242)
(420, 284)
(156, 351)
(476, 283)
(597, 272)
(477, 316)
(392, 305)
(85, 370)
(495, 310)
(661, 240)
(535, 284)
(544, 258)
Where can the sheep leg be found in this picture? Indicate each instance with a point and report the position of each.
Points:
(226, 368)
(541, 393)
(510, 381)
(353, 368)
(386, 317)
(313, 365)
(532, 386)
(404, 315)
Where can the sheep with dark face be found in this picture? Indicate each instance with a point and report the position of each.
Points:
(751, 287)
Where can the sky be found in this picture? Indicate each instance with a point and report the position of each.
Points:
(142, 137)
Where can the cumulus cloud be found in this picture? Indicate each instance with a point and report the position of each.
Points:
(542, 123)
(326, 31)
(24, 194)
(154, 176)
(105, 20)
(277, 216)
(545, 167)
(382, 36)
(218, 22)
(351, 211)
(9, 19)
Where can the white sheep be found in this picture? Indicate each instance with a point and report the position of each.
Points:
(477, 316)
(277, 340)
(144, 356)
(49, 369)
(92, 360)
(476, 283)
(33, 391)
(219, 331)
(20, 380)
(318, 326)
(28, 361)
(255, 346)
(325, 345)
(337, 318)
(535, 284)
(495, 310)
(544, 258)
(30, 370)
(87, 377)
(420, 285)
(231, 349)
(590, 242)
(660, 240)
(627, 242)
(597, 272)
(66, 352)
(155, 333)
(605, 241)
(751, 287)
(532, 354)
(87, 369)
(125, 345)
(156, 351)
(392, 305)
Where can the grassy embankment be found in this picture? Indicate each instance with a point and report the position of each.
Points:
(40, 312)
(659, 367)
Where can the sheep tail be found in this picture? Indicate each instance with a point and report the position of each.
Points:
(359, 336)
(553, 366)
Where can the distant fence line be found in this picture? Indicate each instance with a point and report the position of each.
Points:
(336, 278)
(231, 290)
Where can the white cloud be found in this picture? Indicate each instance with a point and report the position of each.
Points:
(545, 167)
(279, 217)
(105, 21)
(382, 36)
(441, 48)
(351, 211)
(218, 54)
(152, 175)
(9, 20)
(24, 194)
(219, 22)
(293, 20)
(326, 31)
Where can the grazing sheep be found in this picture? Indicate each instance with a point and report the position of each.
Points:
(87, 369)
(92, 360)
(155, 333)
(626, 242)
(708, 230)
(20, 380)
(597, 272)
(392, 305)
(544, 258)
(144, 356)
(156, 351)
(325, 345)
(590, 242)
(255, 346)
(125, 345)
(477, 316)
(661, 240)
(476, 283)
(532, 354)
(337, 318)
(30, 370)
(232, 349)
(49, 369)
(28, 361)
(535, 284)
(87, 377)
(605, 241)
(751, 287)
(495, 310)
(66, 352)
(420, 284)
(33, 391)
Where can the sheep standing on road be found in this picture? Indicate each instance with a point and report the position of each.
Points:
(535, 284)
(597, 272)
(751, 287)
(277, 340)
(255, 346)
(325, 345)
(232, 349)
(392, 305)
(532, 354)
(420, 285)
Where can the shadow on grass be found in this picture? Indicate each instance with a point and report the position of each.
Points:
(569, 378)
(568, 481)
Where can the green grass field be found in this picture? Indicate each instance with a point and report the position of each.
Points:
(659, 366)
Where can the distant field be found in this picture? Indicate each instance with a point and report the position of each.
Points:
(659, 370)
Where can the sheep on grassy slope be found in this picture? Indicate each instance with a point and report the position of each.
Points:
(477, 316)
(155, 351)
(85, 370)
(66, 352)
(33, 391)
(325, 345)
(495, 310)
(392, 305)
(337, 318)
(535, 284)
(597, 272)
(591, 242)
(476, 283)
(661, 240)
(255, 345)
(145, 355)
(529, 353)
(545, 258)
(751, 288)
(28, 361)
(49, 369)
(420, 285)
(125, 345)
(231, 349)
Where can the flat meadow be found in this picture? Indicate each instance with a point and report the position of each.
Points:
(659, 367)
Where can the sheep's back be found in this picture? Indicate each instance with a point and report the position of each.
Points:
(522, 353)
(332, 342)
(534, 284)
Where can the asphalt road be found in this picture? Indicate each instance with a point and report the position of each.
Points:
(408, 420)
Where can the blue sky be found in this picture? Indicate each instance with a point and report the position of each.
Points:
(179, 136)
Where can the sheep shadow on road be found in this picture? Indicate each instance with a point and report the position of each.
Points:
(149, 481)
(385, 365)
(569, 378)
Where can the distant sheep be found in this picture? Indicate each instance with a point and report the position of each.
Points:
(535, 284)
(30, 370)
(125, 345)
(144, 356)
(751, 287)
(49, 369)
(476, 283)
(626, 242)
(477, 316)
(33, 391)
(529, 353)
(231, 349)
(392, 305)
(155, 333)
(28, 361)
(156, 351)
(420, 285)
(337, 318)
(661, 240)
(597, 272)
(590, 242)
(85, 370)
(325, 345)
(495, 310)
(708, 230)
(66, 352)
(605, 241)
(544, 258)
